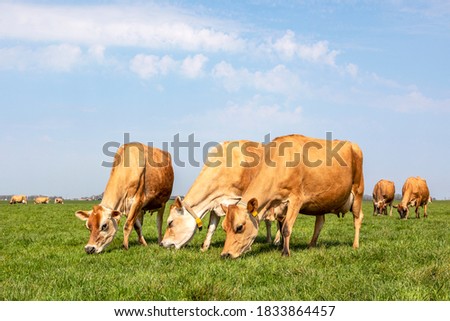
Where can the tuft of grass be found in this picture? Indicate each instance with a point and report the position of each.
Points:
(42, 258)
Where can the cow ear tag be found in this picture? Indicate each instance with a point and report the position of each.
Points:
(254, 213)
(199, 223)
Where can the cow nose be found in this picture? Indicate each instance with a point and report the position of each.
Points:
(225, 255)
(89, 249)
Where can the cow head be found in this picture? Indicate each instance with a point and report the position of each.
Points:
(380, 206)
(241, 225)
(103, 225)
(180, 226)
(402, 210)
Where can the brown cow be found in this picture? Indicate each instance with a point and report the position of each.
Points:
(312, 176)
(59, 200)
(41, 200)
(141, 180)
(383, 195)
(22, 199)
(229, 170)
(415, 192)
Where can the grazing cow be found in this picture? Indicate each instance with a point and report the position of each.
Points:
(59, 200)
(229, 169)
(383, 195)
(41, 200)
(21, 199)
(311, 176)
(141, 180)
(415, 192)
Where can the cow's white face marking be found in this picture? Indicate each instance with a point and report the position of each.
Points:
(180, 229)
(102, 224)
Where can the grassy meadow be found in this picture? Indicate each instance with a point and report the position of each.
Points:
(42, 258)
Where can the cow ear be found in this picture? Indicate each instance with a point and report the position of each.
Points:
(116, 215)
(224, 208)
(177, 203)
(252, 205)
(83, 215)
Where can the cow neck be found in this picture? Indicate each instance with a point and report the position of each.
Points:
(196, 208)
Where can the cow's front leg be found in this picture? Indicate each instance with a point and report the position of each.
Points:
(214, 220)
(291, 216)
(129, 224)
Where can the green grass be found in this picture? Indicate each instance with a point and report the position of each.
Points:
(42, 258)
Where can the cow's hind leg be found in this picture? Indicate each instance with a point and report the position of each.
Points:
(138, 228)
(425, 214)
(278, 236)
(291, 216)
(269, 231)
(159, 221)
(357, 219)
(320, 220)
(214, 220)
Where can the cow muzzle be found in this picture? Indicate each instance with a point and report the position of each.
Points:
(89, 249)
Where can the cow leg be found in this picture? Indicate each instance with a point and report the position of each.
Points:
(278, 240)
(357, 219)
(269, 231)
(135, 211)
(291, 216)
(138, 228)
(374, 209)
(425, 210)
(417, 212)
(159, 221)
(390, 212)
(320, 220)
(214, 220)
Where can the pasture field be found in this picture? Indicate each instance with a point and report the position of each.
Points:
(42, 258)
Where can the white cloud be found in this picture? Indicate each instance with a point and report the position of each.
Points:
(415, 101)
(192, 67)
(97, 52)
(277, 80)
(352, 70)
(61, 58)
(288, 48)
(147, 26)
(147, 66)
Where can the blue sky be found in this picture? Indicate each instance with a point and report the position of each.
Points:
(75, 75)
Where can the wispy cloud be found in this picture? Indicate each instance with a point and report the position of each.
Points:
(148, 66)
(276, 80)
(54, 57)
(288, 47)
(146, 26)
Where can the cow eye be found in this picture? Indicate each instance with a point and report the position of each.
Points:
(104, 227)
(239, 229)
(169, 225)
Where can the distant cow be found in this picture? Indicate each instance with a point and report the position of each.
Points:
(59, 200)
(383, 195)
(141, 180)
(22, 199)
(41, 200)
(415, 192)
